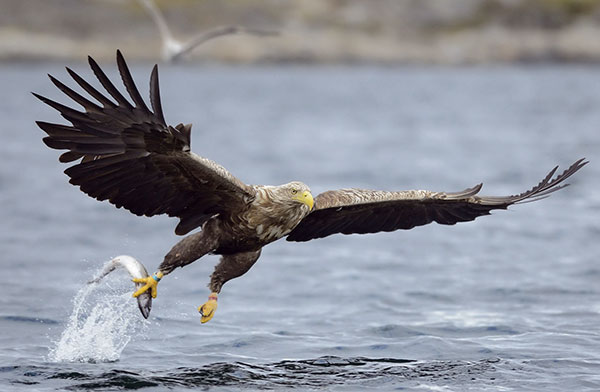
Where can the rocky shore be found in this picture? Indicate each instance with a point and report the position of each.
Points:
(310, 31)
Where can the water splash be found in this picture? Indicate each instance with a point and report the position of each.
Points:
(104, 319)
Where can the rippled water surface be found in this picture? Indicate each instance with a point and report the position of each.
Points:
(509, 302)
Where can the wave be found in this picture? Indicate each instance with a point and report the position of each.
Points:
(27, 319)
(310, 373)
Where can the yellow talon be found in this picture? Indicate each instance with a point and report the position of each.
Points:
(209, 308)
(150, 283)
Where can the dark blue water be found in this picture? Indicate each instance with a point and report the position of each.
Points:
(510, 302)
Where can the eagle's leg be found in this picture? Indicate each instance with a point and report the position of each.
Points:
(230, 267)
(186, 251)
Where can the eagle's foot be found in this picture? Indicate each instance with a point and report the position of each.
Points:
(150, 284)
(209, 308)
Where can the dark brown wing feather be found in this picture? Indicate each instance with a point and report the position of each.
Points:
(131, 157)
(350, 211)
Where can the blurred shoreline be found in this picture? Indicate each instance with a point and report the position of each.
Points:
(311, 31)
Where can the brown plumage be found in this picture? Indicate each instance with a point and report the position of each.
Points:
(125, 152)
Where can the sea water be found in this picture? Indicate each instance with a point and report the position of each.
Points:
(510, 302)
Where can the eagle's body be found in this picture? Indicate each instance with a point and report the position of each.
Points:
(271, 215)
(128, 155)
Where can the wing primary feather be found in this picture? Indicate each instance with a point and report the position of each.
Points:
(155, 95)
(69, 156)
(86, 103)
(87, 149)
(65, 111)
(129, 82)
(107, 84)
(91, 90)
(548, 191)
(466, 193)
(532, 199)
(58, 130)
(545, 183)
(64, 131)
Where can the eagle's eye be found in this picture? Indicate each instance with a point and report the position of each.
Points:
(294, 191)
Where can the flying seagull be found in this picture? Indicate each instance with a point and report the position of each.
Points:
(126, 153)
(174, 50)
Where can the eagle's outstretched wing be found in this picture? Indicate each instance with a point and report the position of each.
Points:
(360, 211)
(129, 156)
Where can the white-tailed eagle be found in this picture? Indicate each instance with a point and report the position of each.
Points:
(125, 152)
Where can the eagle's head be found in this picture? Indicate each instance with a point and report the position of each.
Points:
(299, 192)
(278, 209)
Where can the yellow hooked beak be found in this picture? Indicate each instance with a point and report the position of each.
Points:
(306, 198)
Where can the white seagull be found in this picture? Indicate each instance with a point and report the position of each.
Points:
(174, 50)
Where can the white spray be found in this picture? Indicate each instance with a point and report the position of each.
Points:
(103, 320)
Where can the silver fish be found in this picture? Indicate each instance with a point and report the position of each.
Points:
(136, 270)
